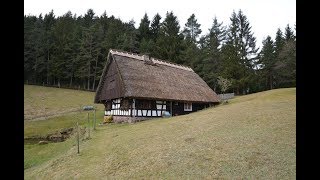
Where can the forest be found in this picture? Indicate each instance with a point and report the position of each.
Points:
(70, 51)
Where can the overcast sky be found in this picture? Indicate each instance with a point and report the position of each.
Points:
(265, 17)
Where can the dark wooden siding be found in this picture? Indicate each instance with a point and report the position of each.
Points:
(178, 107)
(112, 87)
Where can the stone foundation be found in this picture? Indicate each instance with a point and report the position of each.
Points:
(128, 119)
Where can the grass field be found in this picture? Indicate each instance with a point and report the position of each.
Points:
(41, 102)
(252, 137)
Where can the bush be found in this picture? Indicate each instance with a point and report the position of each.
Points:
(107, 119)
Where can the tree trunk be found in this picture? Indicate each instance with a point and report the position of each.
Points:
(271, 82)
(70, 81)
(59, 82)
(89, 78)
(48, 68)
(94, 75)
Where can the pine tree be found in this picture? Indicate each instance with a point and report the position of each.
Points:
(169, 43)
(240, 52)
(155, 27)
(279, 42)
(49, 21)
(128, 41)
(63, 32)
(39, 64)
(288, 33)
(144, 36)
(192, 29)
(29, 44)
(211, 53)
(267, 61)
(286, 60)
(144, 29)
(88, 18)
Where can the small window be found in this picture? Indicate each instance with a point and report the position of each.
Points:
(187, 106)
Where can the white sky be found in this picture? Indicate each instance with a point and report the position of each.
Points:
(265, 17)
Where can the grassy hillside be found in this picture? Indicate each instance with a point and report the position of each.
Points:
(59, 108)
(41, 102)
(252, 137)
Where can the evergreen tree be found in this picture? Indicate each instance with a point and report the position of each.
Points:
(268, 60)
(144, 36)
(144, 30)
(63, 33)
(169, 43)
(240, 52)
(88, 18)
(29, 44)
(39, 64)
(286, 60)
(192, 29)
(155, 27)
(211, 52)
(288, 33)
(279, 42)
(128, 41)
(49, 21)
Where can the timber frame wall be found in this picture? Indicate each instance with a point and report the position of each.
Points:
(135, 110)
(149, 108)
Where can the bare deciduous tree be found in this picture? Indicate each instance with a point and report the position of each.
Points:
(224, 84)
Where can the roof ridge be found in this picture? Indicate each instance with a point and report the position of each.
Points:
(154, 60)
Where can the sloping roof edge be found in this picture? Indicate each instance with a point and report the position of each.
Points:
(154, 60)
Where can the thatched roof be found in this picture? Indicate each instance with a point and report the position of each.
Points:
(144, 77)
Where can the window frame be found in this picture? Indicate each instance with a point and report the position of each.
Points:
(187, 106)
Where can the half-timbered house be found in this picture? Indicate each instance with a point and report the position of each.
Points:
(134, 87)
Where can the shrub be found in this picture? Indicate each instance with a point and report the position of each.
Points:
(107, 119)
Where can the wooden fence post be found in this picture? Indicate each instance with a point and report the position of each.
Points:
(88, 125)
(94, 125)
(78, 137)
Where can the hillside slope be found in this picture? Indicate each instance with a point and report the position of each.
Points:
(43, 102)
(252, 137)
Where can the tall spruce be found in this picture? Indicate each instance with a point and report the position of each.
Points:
(288, 33)
(29, 44)
(267, 61)
(63, 33)
(191, 53)
(169, 43)
(49, 21)
(128, 41)
(240, 53)
(211, 53)
(144, 36)
(155, 27)
(286, 60)
(192, 29)
(144, 29)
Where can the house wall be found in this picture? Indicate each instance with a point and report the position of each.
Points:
(178, 108)
(112, 87)
(134, 111)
